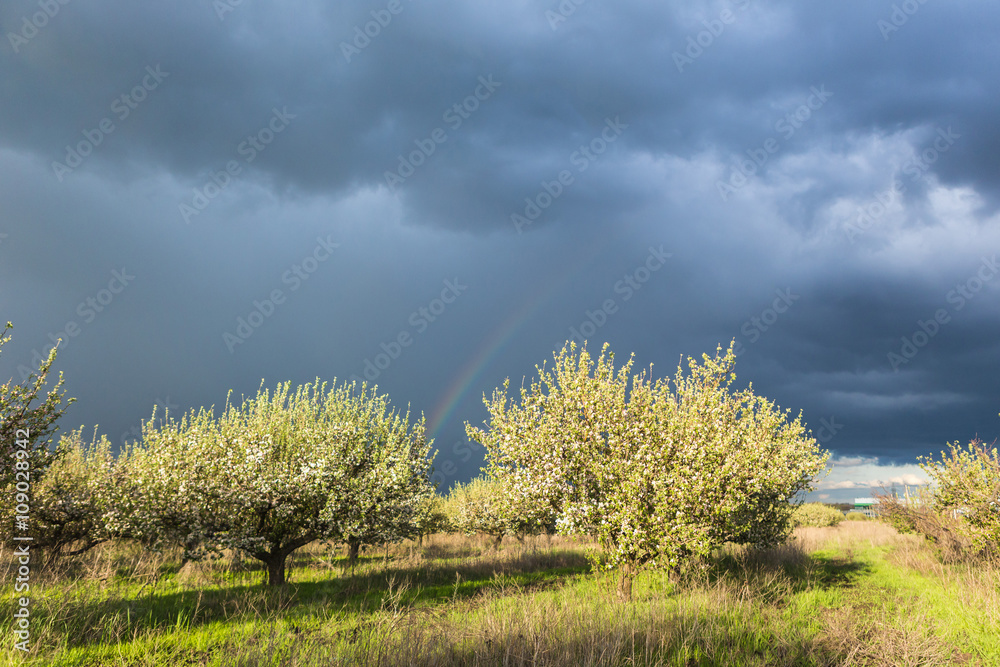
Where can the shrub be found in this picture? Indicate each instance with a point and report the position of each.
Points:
(816, 515)
(432, 517)
(918, 515)
(658, 471)
(966, 483)
(960, 511)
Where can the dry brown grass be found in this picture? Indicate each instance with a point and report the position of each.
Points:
(869, 636)
(715, 623)
(103, 562)
(848, 535)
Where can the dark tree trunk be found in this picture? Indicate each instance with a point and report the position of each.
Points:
(497, 539)
(276, 569)
(274, 561)
(90, 544)
(353, 547)
(420, 540)
(191, 545)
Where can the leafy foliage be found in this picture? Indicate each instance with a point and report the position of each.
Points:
(70, 502)
(917, 514)
(432, 517)
(18, 414)
(659, 471)
(960, 512)
(475, 508)
(967, 482)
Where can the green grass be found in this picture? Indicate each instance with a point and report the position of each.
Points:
(856, 594)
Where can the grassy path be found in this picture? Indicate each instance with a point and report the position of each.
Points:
(909, 608)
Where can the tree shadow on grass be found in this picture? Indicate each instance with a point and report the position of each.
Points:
(834, 572)
(110, 616)
(788, 568)
(120, 613)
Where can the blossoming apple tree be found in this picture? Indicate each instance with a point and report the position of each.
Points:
(661, 471)
(277, 472)
(26, 420)
(486, 505)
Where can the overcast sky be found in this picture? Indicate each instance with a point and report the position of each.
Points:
(198, 196)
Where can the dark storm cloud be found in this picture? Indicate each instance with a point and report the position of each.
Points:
(354, 118)
(534, 151)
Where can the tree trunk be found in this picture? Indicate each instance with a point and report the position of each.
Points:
(276, 570)
(236, 561)
(275, 559)
(625, 583)
(191, 545)
(420, 540)
(275, 563)
(353, 547)
(497, 540)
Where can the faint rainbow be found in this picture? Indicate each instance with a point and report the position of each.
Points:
(493, 344)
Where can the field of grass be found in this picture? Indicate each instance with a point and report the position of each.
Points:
(856, 594)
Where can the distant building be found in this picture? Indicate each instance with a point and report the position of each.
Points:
(866, 506)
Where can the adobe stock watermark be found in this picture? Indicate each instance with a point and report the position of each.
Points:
(293, 277)
(627, 287)
(363, 35)
(704, 39)
(828, 429)
(916, 168)
(756, 326)
(461, 449)
(564, 10)
(88, 310)
(31, 25)
(581, 158)
(122, 107)
(899, 17)
(746, 168)
(874, 210)
(223, 7)
(22, 554)
(958, 298)
(248, 149)
(453, 116)
(419, 321)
